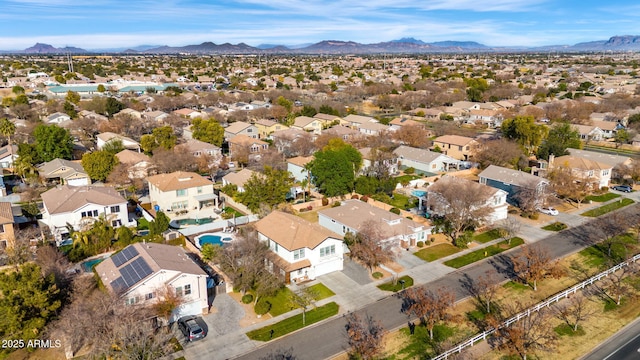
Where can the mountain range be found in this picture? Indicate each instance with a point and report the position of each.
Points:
(400, 46)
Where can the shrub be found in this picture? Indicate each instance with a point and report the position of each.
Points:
(247, 299)
(364, 198)
(409, 217)
(409, 170)
(325, 201)
(534, 216)
(355, 196)
(335, 204)
(512, 211)
(262, 307)
(433, 239)
(420, 244)
(395, 211)
(377, 275)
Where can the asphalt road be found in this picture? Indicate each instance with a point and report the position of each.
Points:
(329, 338)
(623, 345)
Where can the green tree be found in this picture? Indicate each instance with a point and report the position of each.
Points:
(70, 110)
(28, 300)
(160, 224)
(524, 131)
(622, 137)
(113, 146)
(51, 142)
(209, 131)
(287, 104)
(334, 168)
(160, 137)
(98, 164)
(112, 106)
(7, 128)
(17, 90)
(309, 111)
(561, 137)
(73, 97)
(269, 188)
(101, 88)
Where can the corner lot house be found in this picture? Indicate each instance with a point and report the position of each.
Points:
(596, 172)
(181, 190)
(142, 272)
(81, 206)
(302, 250)
(352, 215)
(512, 181)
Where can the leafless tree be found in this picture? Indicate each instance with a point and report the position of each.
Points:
(414, 136)
(529, 197)
(368, 246)
(573, 311)
(432, 307)
(167, 161)
(365, 336)
(304, 298)
(608, 229)
(462, 204)
(528, 336)
(500, 152)
(510, 228)
(571, 186)
(484, 289)
(534, 264)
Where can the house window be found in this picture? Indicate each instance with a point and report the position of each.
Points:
(344, 229)
(187, 289)
(298, 254)
(115, 209)
(249, 130)
(3, 244)
(131, 301)
(181, 192)
(89, 213)
(605, 172)
(1, 228)
(179, 291)
(116, 223)
(148, 296)
(199, 189)
(327, 251)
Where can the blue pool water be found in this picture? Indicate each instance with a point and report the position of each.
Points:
(213, 239)
(418, 193)
(88, 265)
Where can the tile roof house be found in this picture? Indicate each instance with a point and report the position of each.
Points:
(156, 115)
(330, 120)
(267, 127)
(65, 171)
(7, 236)
(371, 128)
(57, 118)
(187, 113)
(80, 206)
(138, 164)
(354, 121)
(241, 142)
(342, 132)
(456, 146)
(612, 160)
(180, 190)
(8, 154)
(306, 123)
(352, 215)
(512, 181)
(493, 198)
(240, 128)
(238, 178)
(142, 272)
(589, 132)
(583, 168)
(302, 250)
(424, 161)
(295, 166)
(389, 162)
(105, 137)
(200, 148)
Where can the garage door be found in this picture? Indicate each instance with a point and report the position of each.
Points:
(192, 308)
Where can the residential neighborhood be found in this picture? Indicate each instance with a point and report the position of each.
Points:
(222, 205)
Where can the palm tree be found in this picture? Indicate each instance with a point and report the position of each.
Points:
(23, 167)
(7, 128)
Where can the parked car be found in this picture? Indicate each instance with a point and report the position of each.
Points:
(623, 188)
(190, 328)
(549, 211)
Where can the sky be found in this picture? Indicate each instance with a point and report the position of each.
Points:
(104, 24)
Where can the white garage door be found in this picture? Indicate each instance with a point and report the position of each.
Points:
(192, 308)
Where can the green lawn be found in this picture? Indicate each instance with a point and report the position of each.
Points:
(407, 178)
(230, 210)
(608, 208)
(321, 291)
(556, 226)
(390, 286)
(400, 201)
(483, 253)
(597, 256)
(294, 323)
(487, 236)
(603, 197)
(280, 302)
(143, 224)
(436, 252)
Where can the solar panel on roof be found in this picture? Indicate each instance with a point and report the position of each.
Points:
(125, 255)
(135, 271)
(118, 285)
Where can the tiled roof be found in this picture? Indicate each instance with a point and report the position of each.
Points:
(178, 180)
(63, 199)
(293, 232)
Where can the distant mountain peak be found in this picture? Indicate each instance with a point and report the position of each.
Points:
(409, 40)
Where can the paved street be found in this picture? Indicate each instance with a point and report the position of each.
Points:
(360, 294)
(623, 345)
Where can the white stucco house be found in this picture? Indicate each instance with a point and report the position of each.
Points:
(143, 272)
(424, 161)
(302, 250)
(81, 206)
(180, 190)
(127, 143)
(295, 166)
(353, 215)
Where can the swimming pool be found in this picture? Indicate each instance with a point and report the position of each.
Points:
(88, 265)
(219, 238)
(179, 223)
(418, 193)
